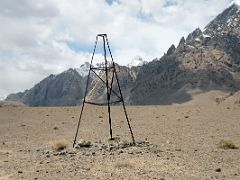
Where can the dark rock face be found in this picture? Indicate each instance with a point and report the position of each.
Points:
(171, 50)
(182, 42)
(65, 89)
(197, 33)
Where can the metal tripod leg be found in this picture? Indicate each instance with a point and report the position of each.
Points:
(124, 108)
(108, 92)
(85, 94)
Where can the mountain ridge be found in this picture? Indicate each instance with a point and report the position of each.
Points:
(206, 60)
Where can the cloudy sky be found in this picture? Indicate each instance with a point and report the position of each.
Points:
(41, 37)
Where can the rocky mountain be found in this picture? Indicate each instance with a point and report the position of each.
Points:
(83, 69)
(63, 89)
(137, 61)
(126, 76)
(68, 88)
(206, 60)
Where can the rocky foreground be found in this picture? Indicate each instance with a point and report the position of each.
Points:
(197, 140)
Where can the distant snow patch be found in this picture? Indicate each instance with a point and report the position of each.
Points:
(190, 46)
(137, 61)
(83, 69)
(206, 36)
(197, 39)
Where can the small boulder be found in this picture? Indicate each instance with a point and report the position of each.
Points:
(83, 143)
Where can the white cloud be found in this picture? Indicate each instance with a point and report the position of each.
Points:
(48, 36)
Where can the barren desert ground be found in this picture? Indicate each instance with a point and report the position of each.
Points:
(183, 142)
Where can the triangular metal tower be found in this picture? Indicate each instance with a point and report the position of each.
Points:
(107, 69)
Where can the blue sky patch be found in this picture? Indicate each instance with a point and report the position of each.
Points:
(110, 2)
(169, 3)
(77, 47)
(146, 17)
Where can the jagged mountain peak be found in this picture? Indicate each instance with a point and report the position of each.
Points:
(182, 41)
(195, 34)
(207, 60)
(226, 22)
(83, 69)
(66, 88)
(228, 13)
(137, 61)
(235, 2)
(70, 70)
(171, 50)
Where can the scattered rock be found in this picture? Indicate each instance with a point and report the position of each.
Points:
(120, 152)
(87, 154)
(218, 170)
(110, 147)
(71, 152)
(124, 144)
(83, 143)
(60, 153)
(47, 152)
(86, 168)
(227, 144)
